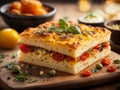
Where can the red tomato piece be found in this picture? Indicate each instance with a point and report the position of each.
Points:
(98, 47)
(72, 58)
(105, 61)
(86, 73)
(106, 44)
(84, 56)
(25, 48)
(58, 56)
(111, 69)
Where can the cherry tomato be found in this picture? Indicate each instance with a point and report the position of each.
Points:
(58, 56)
(105, 61)
(86, 73)
(111, 69)
(84, 56)
(72, 58)
(25, 48)
(106, 44)
(98, 47)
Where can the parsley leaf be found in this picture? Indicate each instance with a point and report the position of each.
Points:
(117, 61)
(10, 65)
(32, 80)
(3, 56)
(63, 24)
(75, 30)
(55, 29)
(21, 77)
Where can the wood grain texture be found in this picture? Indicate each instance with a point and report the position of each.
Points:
(61, 80)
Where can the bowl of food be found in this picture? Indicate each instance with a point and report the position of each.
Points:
(26, 13)
(114, 27)
(92, 19)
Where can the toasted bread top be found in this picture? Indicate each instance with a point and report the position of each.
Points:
(49, 36)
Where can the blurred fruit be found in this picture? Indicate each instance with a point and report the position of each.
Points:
(8, 38)
(31, 6)
(84, 5)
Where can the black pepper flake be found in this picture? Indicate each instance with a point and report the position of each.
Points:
(78, 42)
(8, 78)
(103, 29)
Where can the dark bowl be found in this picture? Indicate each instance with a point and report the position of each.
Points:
(115, 36)
(20, 22)
(96, 24)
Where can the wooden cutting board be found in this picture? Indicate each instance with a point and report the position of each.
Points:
(60, 81)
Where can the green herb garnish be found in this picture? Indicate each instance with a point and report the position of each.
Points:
(1, 61)
(117, 61)
(10, 65)
(99, 66)
(3, 56)
(95, 70)
(63, 24)
(28, 67)
(74, 30)
(102, 47)
(64, 28)
(52, 72)
(16, 69)
(55, 29)
(46, 76)
(118, 67)
(20, 77)
(27, 71)
(13, 56)
(32, 80)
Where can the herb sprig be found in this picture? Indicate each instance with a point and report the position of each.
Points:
(64, 28)
(117, 61)
(3, 56)
(14, 68)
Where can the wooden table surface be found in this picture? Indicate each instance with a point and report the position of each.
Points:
(71, 10)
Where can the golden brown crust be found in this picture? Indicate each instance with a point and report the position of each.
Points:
(69, 41)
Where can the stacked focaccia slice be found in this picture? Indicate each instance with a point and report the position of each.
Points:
(64, 46)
